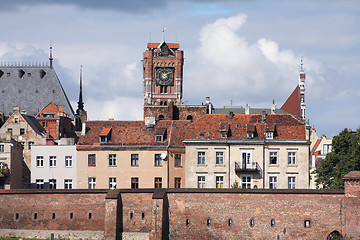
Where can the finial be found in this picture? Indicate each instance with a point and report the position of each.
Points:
(301, 64)
(163, 34)
(51, 57)
(273, 101)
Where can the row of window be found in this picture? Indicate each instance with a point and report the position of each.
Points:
(275, 161)
(245, 182)
(134, 160)
(68, 183)
(53, 216)
(246, 158)
(52, 161)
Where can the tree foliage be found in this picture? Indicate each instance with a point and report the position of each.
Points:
(344, 157)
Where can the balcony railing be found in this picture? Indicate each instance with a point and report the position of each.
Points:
(253, 167)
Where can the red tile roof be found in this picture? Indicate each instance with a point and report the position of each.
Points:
(292, 104)
(171, 45)
(286, 127)
(104, 132)
(134, 133)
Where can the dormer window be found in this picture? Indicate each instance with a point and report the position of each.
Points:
(223, 134)
(105, 135)
(159, 138)
(269, 135)
(250, 134)
(224, 130)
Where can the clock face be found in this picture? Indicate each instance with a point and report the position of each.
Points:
(164, 76)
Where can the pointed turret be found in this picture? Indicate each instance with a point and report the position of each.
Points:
(51, 57)
(80, 102)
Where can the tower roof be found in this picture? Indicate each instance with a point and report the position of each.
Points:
(292, 104)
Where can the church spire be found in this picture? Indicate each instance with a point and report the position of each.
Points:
(51, 57)
(80, 102)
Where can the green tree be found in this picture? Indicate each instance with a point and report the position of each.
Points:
(344, 157)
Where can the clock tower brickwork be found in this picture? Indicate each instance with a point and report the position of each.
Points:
(163, 84)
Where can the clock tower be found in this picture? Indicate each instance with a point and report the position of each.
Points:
(162, 74)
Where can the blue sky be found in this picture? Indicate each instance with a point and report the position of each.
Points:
(244, 52)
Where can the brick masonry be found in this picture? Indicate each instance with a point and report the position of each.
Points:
(187, 213)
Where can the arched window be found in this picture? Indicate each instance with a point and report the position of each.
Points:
(161, 117)
(189, 117)
(334, 235)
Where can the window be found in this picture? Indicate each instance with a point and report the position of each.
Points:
(134, 159)
(291, 183)
(22, 131)
(273, 158)
(291, 158)
(112, 160)
(307, 224)
(273, 182)
(158, 138)
(39, 161)
(2, 148)
(92, 182)
(219, 181)
(91, 160)
(177, 183)
(134, 182)
(272, 222)
(68, 161)
(103, 139)
(201, 181)
(269, 135)
(112, 183)
(201, 158)
(326, 148)
(68, 184)
(52, 183)
(158, 182)
(177, 160)
(246, 182)
(39, 183)
(158, 160)
(250, 134)
(16, 120)
(9, 130)
(30, 144)
(52, 161)
(219, 158)
(246, 159)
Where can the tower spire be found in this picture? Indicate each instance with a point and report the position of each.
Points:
(163, 34)
(80, 102)
(51, 57)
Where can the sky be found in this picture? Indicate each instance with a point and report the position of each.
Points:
(237, 52)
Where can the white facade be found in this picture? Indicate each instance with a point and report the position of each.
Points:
(54, 167)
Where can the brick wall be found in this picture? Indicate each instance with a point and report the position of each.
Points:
(175, 112)
(52, 210)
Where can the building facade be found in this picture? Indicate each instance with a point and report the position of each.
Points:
(54, 166)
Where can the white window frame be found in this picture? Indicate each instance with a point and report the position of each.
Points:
(326, 148)
(157, 160)
(247, 184)
(273, 182)
(219, 180)
(134, 159)
(219, 158)
(68, 161)
(159, 138)
(273, 154)
(269, 135)
(39, 161)
(52, 161)
(177, 160)
(52, 183)
(291, 182)
(201, 181)
(112, 160)
(91, 182)
(2, 148)
(248, 159)
(68, 183)
(112, 182)
(40, 183)
(201, 158)
(291, 158)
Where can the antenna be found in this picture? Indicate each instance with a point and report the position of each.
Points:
(163, 33)
(51, 57)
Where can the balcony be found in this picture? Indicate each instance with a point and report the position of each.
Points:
(248, 168)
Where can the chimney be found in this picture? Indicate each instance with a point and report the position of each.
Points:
(16, 109)
(83, 129)
(263, 116)
(247, 109)
(273, 107)
(207, 100)
(231, 115)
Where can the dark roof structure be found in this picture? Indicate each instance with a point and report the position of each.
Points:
(31, 88)
(34, 124)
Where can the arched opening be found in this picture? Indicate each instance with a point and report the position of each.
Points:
(334, 235)
(165, 103)
(189, 117)
(161, 103)
(161, 117)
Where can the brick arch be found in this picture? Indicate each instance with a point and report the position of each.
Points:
(334, 234)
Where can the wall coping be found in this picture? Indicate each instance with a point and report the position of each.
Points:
(54, 191)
